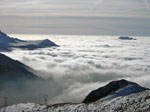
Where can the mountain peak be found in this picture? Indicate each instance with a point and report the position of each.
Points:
(114, 89)
(126, 38)
(119, 83)
(47, 42)
(2, 34)
(7, 43)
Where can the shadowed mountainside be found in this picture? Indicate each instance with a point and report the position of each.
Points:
(13, 70)
(114, 89)
(19, 84)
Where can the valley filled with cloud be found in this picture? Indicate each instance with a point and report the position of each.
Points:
(83, 64)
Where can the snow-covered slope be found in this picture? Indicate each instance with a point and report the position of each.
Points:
(130, 89)
(138, 102)
(7, 43)
(24, 107)
(114, 89)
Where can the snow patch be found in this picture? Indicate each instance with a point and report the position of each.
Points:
(127, 91)
(134, 102)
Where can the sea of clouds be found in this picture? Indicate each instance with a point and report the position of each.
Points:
(84, 63)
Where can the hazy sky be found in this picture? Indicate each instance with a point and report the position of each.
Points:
(94, 17)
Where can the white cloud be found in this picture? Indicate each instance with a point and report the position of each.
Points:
(83, 64)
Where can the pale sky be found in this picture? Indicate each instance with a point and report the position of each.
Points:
(86, 17)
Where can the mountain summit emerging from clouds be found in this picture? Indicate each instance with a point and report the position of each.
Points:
(8, 43)
(114, 89)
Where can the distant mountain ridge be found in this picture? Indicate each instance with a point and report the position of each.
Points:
(126, 38)
(8, 43)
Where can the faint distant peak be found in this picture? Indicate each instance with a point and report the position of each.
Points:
(126, 38)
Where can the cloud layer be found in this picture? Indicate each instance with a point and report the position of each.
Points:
(84, 63)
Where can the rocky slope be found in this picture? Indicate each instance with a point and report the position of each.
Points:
(114, 89)
(135, 101)
(8, 43)
(138, 102)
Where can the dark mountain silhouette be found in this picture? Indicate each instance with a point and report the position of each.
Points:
(126, 38)
(114, 89)
(14, 71)
(19, 83)
(7, 43)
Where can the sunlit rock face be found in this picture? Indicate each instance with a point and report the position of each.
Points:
(8, 43)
